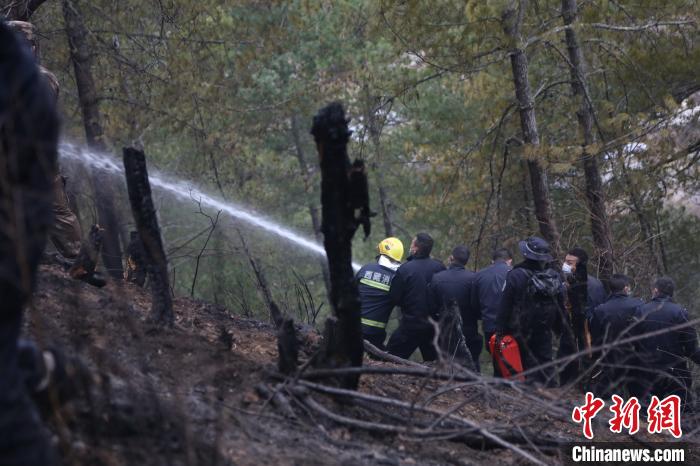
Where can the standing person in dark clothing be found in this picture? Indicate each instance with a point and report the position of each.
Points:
(609, 322)
(487, 291)
(453, 286)
(664, 369)
(583, 293)
(29, 128)
(373, 284)
(531, 307)
(409, 290)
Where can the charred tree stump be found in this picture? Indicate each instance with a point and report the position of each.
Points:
(135, 261)
(149, 233)
(288, 347)
(343, 191)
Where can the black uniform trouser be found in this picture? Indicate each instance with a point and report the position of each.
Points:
(616, 376)
(567, 345)
(535, 350)
(410, 336)
(475, 344)
(662, 383)
(487, 340)
(376, 338)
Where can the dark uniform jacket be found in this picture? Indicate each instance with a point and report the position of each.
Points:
(596, 295)
(667, 350)
(373, 284)
(409, 289)
(454, 284)
(613, 317)
(487, 292)
(608, 322)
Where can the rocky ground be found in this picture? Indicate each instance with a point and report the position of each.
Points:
(201, 394)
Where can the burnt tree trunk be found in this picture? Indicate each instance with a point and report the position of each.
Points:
(338, 224)
(81, 58)
(600, 227)
(512, 24)
(149, 233)
(307, 174)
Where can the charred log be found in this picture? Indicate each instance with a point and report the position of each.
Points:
(341, 192)
(149, 233)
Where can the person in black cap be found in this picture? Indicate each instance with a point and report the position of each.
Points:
(531, 307)
(409, 290)
(453, 286)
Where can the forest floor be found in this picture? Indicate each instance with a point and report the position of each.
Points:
(188, 395)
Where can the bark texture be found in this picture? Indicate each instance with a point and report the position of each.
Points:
(595, 197)
(81, 58)
(512, 23)
(149, 233)
(307, 174)
(338, 224)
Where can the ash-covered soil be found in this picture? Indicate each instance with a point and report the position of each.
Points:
(187, 395)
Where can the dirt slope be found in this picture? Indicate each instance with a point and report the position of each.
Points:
(188, 395)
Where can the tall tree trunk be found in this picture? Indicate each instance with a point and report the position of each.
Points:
(80, 55)
(338, 201)
(644, 224)
(600, 228)
(374, 131)
(149, 232)
(307, 174)
(512, 23)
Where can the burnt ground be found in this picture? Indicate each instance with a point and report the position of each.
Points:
(187, 395)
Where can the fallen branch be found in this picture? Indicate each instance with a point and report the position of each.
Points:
(486, 436)
(410, 371)
(384, 356)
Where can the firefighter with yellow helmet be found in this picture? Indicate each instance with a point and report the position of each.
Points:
(374, 283)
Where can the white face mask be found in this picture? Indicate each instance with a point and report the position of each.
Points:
(566, 268)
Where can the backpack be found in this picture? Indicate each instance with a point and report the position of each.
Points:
(540, 300)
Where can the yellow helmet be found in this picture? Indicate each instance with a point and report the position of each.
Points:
(392, 248)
